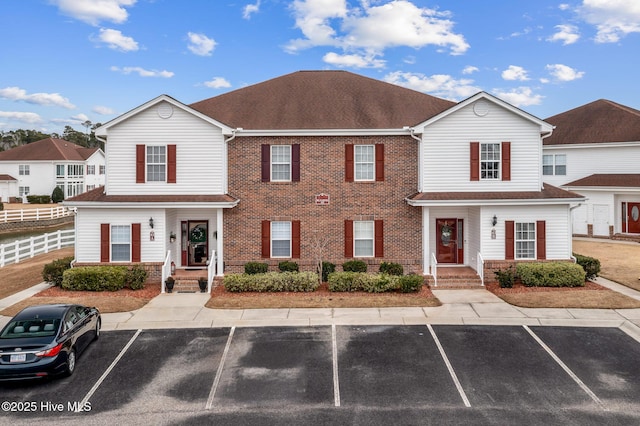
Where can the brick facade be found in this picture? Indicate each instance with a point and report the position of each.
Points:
(322, 170)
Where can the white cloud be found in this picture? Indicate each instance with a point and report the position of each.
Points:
(26, 117)
(519, 97)
(353, 61)
(564, 6)
(46, 99)
(94, 11)
(373, 28)
(440, 85)
(250, 9)
(614, 19)
(115, 40)
(143, 72)
(470, 70)
(200, 44)
(103, 110)
(217, 83)
(81, 118)
(567, 34)
(564, 73)
(515, 72)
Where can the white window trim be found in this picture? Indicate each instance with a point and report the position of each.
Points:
(355, 164)
(147, 164)
(24, 170)
(272, 163)
(272, 239)
(499, 161)
(516, 241)
(373, 239)
(111, 243)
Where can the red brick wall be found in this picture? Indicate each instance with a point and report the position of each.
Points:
(322, 170)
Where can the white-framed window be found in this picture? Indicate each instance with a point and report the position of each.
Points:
(60, 170)
(102, 169)
(74, 188)
(281, 163)
(525, 240)
(363, 238)
(75, 170)
(490, 161)
(121, 243)
(156, 163)
(364, 162)
(91, 169)
(90, 187)
(23, 191)
(23, 170)
(554, 164)
(280, 239)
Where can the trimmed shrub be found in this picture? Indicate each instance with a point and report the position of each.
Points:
(38, 199)
(255, 268)
(94, 278)
(391, 268)
(551, 274)
(327, 268)
(505, 277)
(410, 283)
(135, 277)
(57, 195)
(354, 266)
(361, 281)
(271, 282)
(590, 265)
(288, 266)
(52, 272)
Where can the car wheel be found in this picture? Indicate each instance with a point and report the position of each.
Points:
(71, 362)
(97, 330)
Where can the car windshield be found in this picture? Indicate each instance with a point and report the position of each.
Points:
(35, 327)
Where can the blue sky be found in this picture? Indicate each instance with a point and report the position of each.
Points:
(68, 61)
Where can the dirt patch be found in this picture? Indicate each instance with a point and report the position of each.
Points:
(618, 262)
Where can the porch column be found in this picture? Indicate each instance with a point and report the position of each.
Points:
(219, 243)
(426, 252)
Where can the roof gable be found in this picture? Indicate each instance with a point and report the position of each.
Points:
(322, 100)
(49, 149)
(601, 121)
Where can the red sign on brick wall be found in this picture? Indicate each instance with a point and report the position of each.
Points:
(322, 200)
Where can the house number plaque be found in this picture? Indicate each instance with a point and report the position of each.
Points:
(322, 200)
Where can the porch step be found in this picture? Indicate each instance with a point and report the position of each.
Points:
(186, 286)
(455, 277)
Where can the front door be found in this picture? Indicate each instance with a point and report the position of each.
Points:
(633, 218)
(194, 242)
(449, 241)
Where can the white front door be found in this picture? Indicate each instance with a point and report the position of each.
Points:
(601, 220)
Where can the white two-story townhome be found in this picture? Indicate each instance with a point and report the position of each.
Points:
(371, 170)
(595, 151)
(38, 167)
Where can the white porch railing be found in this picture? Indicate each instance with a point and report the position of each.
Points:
(29, 247)
(211, 269)
(480, 268)
(166, 270)
(23, 215)
(434, 269)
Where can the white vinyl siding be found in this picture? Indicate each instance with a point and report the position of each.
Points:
(363, 238)
(280, 239)
(364, 162)
(281, 163)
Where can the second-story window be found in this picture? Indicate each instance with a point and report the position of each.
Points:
(23, 170)
(102, 169)
(281, 163)
(91, 170)
(554, 164)
(490, 161)
(156, 163)
(60, 170)
(364, 162)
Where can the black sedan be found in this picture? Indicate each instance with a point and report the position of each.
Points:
(45, 340)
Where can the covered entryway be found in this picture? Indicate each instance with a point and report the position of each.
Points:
(632, 213)
(449, 241)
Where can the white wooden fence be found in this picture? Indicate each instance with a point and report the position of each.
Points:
(33, 214)
(29, 247)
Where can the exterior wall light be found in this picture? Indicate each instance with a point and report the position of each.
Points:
(151, 222)
(494, 221)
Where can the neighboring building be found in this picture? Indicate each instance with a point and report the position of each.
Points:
(39, 167)
(595, 151)
(8, 186)
(368, 169)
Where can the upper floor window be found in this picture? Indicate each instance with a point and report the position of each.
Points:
(364, 163)
(554, 164)
(120, 243)
(91, 169)
(60, 170)
(23, 170)
(156, 163)
(281, 163)
(102, 169)
(490, 161)
(525, 240)
(75, 170)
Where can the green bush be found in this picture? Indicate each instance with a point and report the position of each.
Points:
(391, 268)
(288, 266)
(271, 282)
(95, 278)
(354, 266)
(590, 265)
(255, 268)
(52, 272)
(135, 277)
(57, 195)
(1, 206)
(38, 199)
(361, 281)
(327, 268)
(410, 283)
(505, 277)
(551, 274)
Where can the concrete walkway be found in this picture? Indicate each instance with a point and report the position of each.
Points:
(471, 307)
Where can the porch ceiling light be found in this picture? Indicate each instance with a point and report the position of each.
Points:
(151, 222)
(494, 221)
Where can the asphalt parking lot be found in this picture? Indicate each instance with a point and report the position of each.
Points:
(439, 374)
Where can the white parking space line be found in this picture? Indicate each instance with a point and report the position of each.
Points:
(566, 368)
(216, 381)
(107, 371)
(454, 377)
(336, 381)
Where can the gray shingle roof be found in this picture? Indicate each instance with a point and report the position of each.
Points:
(48, 149)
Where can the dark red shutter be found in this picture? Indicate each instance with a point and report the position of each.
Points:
(348, 238)
(541, 240)
(171, 164)
(380, 162)
(379, 239)
(475, 160)
(348, 163)
(295, 239)
(104, 242)
(266, 239)
(295, 162)
(509, 239)
(506, 160)
(140, 163)
(266, 163)
(135, 242)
